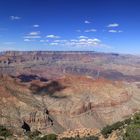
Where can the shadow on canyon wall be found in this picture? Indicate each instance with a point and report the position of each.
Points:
(28, 78)
(48, 89)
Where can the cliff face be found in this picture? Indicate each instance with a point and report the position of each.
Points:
(53, 92)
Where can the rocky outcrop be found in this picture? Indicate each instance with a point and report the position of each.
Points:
(84, 132)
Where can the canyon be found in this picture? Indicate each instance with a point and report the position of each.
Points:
(56, 91)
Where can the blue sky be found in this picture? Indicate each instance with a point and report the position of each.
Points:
(78, 25)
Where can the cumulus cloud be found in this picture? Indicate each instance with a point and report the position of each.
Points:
(36, 25)
(80, 42)
(87, 30)
(89, 42)
(15, 17)
(27, 40)
(112, 31)
(60, 41)
(54, 40)
(87, 22)
(96, 40)
(54, 43)
(115, 31)
(73, 40)
(32, 37)
(90, 30)
(52, 36)
(42, 40)
(34, 33)
(113, 25)
(82, 37)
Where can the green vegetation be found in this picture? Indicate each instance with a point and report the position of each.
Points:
(54, 137)
(4, 132)
(109, 128)
(34, 134)
(48, 137)
(133, 130)
(84, 138)
(129, 127)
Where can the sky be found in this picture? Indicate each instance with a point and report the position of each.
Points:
(70, 25)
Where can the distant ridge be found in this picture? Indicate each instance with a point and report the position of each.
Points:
(66, 52)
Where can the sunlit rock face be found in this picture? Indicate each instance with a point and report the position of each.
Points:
(55, 91)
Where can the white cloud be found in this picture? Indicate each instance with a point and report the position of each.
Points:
(112, 31)
(36, 25)
(52, 36)
(34, 33)
(27, 40)
(53, 43)
(81, 42)
(96, 40)
(73, 40)
(42, 40)
(120, 31)
(9, 43)
(32, 36)
(90, 30)
(60, 41)
(82, 37)
(15, 17)
(91, 42)
(87, 22)
(113, 25)
(115, 31)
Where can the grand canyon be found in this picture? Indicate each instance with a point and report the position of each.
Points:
(56, 91)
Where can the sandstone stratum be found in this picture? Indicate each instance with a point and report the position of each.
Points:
(54, 92)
